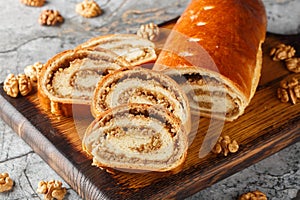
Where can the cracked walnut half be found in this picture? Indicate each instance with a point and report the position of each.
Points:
(88, 9)
(289, 90)
(254, 195)
(52, 190)
(6, 183)
(50, 18)
(225, 145)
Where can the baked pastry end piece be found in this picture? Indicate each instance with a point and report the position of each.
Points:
(136, 137)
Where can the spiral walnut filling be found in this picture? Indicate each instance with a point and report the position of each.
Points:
(139, 94)
(137, 137)
(133, 49)
(208, 94)
(141, 86)
(70, 77)
(77, 81)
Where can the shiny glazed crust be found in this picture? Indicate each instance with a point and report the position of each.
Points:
(136, 137)
(222, 40)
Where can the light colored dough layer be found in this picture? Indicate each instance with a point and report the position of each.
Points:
(140, 85)
(136, 136)
(71, 76)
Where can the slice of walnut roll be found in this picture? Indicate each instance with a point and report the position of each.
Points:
(136, 137)
(70, 77)
(140, 85)
(134, 49)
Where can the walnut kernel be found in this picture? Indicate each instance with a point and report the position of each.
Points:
(6, 183)
(50, 18)
(149, 31)
(33, 71)
(15, 84)
(282, 52)
(255, 195)
(34, 3)
(289, 90)
(88, 9)
(24, 84)
(11, 85)
(293, 64)
(233, 146)
(225, 145)
(52, 190)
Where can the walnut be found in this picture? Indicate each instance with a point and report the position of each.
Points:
(149, 31)
(15, 84)
(6, 183)
(11, 85)
(88, 9)
(293, 64)
(255, 195)
(282, 52)
(289, 90)
(50, 18)
(25, 85)
(34, 3)
(33, 71)
(225, 145)
(52, 190)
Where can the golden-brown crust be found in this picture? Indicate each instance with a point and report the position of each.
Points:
(230, 31)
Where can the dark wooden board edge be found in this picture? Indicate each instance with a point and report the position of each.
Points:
(177, 186)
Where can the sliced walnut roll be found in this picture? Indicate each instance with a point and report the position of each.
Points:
(138, 137)
(140, 85)
(134, 49)
(70, 77)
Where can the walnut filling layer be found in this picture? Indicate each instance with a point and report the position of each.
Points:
(136, 137)
(79, 78)
(131, 48)
(138, 82)
(207, 94)
(142, 86)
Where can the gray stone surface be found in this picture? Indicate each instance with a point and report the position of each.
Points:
(23, 41)
(283, 16)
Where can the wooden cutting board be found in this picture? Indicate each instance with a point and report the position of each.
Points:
(266, 127)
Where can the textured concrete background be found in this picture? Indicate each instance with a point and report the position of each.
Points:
(23, 41)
